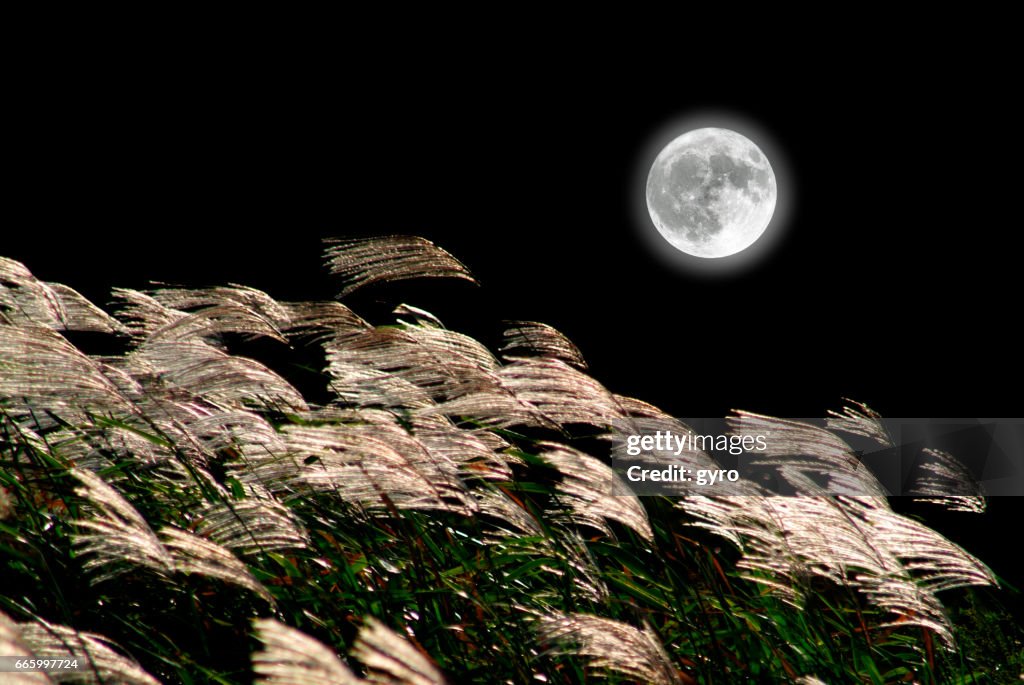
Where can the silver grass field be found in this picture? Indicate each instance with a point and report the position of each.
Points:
(174, 511)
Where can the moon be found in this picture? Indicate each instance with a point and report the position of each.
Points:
(711, 193)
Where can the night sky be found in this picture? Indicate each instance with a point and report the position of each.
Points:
(894, 283)
(891, 283)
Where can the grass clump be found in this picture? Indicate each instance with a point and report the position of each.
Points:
(179, 512)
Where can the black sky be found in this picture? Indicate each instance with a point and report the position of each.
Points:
(894, 283)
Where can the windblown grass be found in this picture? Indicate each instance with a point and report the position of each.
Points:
(181, 513)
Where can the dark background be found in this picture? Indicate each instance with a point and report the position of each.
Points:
(895, 283)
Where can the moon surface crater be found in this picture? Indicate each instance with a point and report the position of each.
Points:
(711, 192)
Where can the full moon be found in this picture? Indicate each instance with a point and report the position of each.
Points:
(711, 192)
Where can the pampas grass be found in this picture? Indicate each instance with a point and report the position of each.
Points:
(181, 513)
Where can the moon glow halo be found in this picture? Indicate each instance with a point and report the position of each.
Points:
(711, 193)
